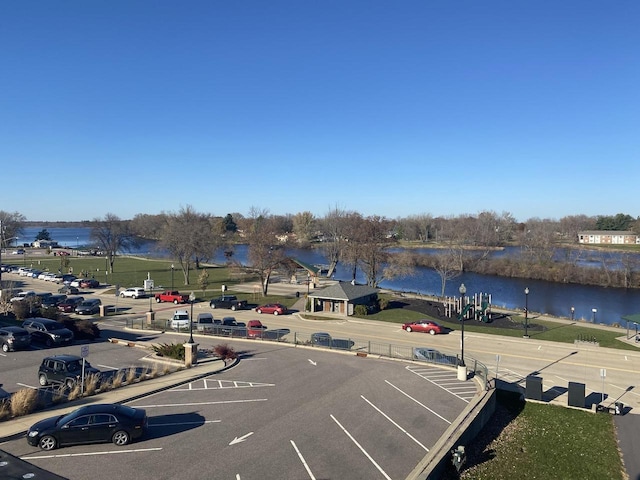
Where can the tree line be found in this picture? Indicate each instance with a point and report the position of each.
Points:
(366, 244)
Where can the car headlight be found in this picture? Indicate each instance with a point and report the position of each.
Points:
(55, 336)
(33, 433)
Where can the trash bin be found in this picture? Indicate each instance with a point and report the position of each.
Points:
(619, 407)
(297, 294)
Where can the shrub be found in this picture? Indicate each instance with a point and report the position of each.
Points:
(360, 310)
(82, 329)
(91, 382)
(131, 375)
(20, 309)
(383, 303)
(118, 379)
(75, 392)
(170, 350)
(49, 312)
(24, 401)
(225, 352)
(58, 394)
(5, 409)
(155, 371)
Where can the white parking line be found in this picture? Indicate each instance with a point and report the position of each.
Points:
(28, 386)
(361, 448)
(419, 403)
(201, 403)
(306, 466)
(182, 423)
(108, 366)
(395, 424)
(89, 454)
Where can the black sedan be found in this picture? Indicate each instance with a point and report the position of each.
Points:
(108, 422)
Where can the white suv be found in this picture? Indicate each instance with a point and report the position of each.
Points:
(179, 320)
(134, 292)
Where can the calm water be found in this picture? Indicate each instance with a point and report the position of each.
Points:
(544, 297)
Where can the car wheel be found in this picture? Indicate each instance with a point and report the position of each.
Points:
(49, 343)
(212, 305)
(432, 332)
(157, 300)
(70, 383)
(122, 295)
(47, 442)
(5, 347)
(175, 302)
(258, 311)
(233, 308)
(409, 329)
(42, 379)
(275, 312)
(120, 438)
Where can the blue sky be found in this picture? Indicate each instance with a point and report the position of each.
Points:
(385, 108)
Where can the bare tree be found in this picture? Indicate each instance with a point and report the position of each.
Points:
(11, 227)
(190, 237)
(304, 227)
(266, 252)
(112, 235)
(333, 227)
(448, 266)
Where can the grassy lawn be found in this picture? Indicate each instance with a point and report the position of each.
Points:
(531, 440)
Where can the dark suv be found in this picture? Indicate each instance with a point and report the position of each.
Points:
(47, 331)
(65, 369)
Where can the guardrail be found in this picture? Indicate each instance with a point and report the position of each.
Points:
(421, 354)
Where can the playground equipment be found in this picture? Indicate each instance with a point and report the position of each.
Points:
(477, 307)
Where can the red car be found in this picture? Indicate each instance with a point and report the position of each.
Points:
(275, 308)
(426, 326)
(89, 283)
(255, 328)
(70, 304)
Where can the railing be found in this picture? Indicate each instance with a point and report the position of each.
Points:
(405, 352)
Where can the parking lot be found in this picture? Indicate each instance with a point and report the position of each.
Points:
(280, 413)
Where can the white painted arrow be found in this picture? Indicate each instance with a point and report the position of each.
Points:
(241, 439)
(312, 362)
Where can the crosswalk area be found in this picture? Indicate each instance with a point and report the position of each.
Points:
(447, 380)
(210, 384)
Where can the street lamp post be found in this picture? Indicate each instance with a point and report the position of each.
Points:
(573, 313)
(594, 311)
(526, 312)
(307, 300)
(172, 267)
(462, 367)
(192, 298)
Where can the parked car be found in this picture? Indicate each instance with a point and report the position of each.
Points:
(232, 327)
(180, 319)
(89, 283)
(133, 292)
(90, 306)
(255, 329)
(47, 331)
(69, 290)
(14, 338)
(53, 300)
(96, 423)
(19, 251)
(70, 304)
(63, 369)
(24, 295)
(205, 323)
(275, 308)
(324, 339)
(424, 325)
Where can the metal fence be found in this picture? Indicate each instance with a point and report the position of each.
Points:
(324, 340)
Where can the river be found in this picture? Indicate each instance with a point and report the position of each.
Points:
(544, 297)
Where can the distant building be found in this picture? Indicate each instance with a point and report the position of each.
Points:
(45, 244)
(608, 237)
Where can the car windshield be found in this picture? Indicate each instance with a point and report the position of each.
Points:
(54, 326)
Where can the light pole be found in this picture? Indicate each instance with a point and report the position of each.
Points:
(594, 311)
(307, 300)
(192, 298)
(172, 267)
(573, 313)
(462, 291)
(526, 312)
